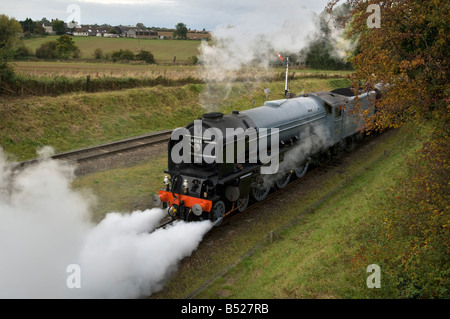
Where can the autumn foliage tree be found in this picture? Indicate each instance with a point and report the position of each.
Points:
(408, 54)
(9, 42)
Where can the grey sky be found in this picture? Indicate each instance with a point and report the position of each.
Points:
(196, 14)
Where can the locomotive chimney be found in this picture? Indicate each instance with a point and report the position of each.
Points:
(213, 116)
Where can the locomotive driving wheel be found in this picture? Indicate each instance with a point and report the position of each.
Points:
(283, 180)
(260, 193)
(218, 211)
(301, 171)
(242, 203)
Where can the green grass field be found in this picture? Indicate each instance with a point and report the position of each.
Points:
(163, 50)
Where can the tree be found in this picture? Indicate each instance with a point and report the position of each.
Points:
(403, 45)
(58, 26)
(9, 42)
(66, 48)
(180, 31)
(408, 53)
(28, 25)
(39, 29)
(140, 25)
(63, 48)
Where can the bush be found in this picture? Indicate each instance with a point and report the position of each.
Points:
(47, 50)
(146, 56)
(193, 60)
(122, 55)
(98, 54)
(23, 52)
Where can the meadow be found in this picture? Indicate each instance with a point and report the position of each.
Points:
(163, 50)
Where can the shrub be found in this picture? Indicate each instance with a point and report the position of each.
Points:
(22, 52)
(146, 56)
(98, 54)
(47, 50)
(122, 55)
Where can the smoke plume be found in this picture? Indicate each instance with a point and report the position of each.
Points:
(47, 239)
(245, 51)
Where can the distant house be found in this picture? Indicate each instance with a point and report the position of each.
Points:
(198, 35)
(139, 33)
(123, 30)
(191, 35)
(48, 27)
(104, 32)
(81, 32)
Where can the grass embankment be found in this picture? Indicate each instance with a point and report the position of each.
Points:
(315, 256)
(371, 219)
(77, 120)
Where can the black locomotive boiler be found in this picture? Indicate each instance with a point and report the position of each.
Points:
(218, 164)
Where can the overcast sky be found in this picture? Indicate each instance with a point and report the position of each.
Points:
(196, 14)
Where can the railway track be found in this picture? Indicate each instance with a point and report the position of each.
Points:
(105, 150)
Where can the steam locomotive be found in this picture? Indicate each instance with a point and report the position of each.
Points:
(220, 163)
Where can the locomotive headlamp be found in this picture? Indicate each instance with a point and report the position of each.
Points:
(166, 180)
(156, 201)
(197, 147)
(185, 186)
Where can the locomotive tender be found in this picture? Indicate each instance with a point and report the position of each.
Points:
(216, 165)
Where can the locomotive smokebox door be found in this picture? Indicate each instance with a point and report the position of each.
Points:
(232, 193)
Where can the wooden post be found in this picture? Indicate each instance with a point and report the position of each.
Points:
(271, 237)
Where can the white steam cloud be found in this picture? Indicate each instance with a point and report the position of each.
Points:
(45, 231)
(270, 28)
(314, 139)
(246, 50)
